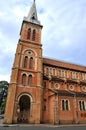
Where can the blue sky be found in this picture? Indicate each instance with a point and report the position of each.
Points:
(63, 34)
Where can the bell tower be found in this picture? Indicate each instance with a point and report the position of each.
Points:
(24, 100)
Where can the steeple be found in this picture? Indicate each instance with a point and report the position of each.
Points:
(32, 16)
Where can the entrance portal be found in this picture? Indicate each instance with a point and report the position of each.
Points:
(24, 106)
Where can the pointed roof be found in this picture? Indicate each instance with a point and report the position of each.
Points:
(32, 16)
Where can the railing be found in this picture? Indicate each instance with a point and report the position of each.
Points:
(60, 78)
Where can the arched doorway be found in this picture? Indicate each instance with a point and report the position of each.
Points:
(24, 109)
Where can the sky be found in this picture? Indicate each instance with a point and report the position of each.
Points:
(63, 33)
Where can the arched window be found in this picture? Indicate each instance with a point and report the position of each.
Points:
(31, 63)
(30, 80)
(63, 73)
(34, 35)
(24, 79)
(29, 33)
(25, 61)
(47, 71)
(65, 105)
(82, 105)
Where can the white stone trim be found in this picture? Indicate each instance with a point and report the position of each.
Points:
(34, 57)
(29, 49)
(68, 104)
(24, 73)
(27, 94)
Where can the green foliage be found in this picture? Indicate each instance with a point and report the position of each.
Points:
(3, 95)
(3, 104)
(4, 84)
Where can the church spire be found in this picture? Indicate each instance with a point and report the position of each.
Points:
(32, 16)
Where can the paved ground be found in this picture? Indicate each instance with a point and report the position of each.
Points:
(40, 127)
(43, 128)
(1, 121)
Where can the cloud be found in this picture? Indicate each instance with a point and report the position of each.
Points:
(5, 77)
(68, 26)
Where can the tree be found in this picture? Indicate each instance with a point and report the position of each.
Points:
(3, 95)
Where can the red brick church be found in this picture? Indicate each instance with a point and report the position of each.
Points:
(43, 90)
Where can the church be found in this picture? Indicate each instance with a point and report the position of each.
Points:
(43, 90)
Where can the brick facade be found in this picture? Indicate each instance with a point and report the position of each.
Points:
(64, 92)
(43, 90)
